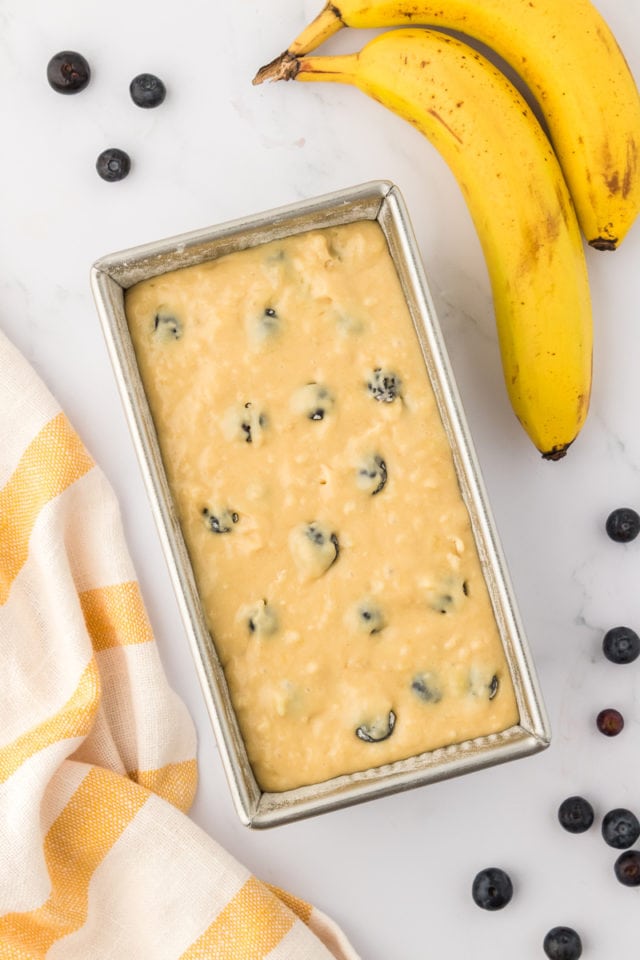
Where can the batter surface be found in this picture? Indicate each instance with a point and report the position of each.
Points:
(320, 507)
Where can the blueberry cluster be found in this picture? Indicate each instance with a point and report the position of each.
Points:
(316, 547)
(492, 889)
(69, 72)
(620, 829)
(620, 645)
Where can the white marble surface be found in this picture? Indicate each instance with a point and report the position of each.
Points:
(396, 873)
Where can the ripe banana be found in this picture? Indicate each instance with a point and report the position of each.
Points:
(520, 205)
(570, 60)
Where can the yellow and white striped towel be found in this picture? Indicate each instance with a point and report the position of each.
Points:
(98, 860)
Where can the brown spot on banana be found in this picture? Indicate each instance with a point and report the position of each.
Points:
(613, 182)
(621, 182)
(538, 239)
(436, 116)
(583, 404)
(631, 172)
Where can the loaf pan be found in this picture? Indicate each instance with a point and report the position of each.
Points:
(381, 201)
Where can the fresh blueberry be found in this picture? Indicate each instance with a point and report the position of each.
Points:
(113, 164)
(68, 72)
(575, 814)
(384, 385)
(621, 645)
(377, 731)
(627, 868)
(147, 90)
(610, 722)
(562, 943)
(620, 828)
(623, 525)
(492, 888)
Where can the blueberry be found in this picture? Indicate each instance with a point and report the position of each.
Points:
(623, 525)
(68, 72)
(113, 164)
(442, 603)
(562, 943)
(620, 828)
(221, 521)
(575, 814)
(147, 90)
(483, 684)
(166, 326)
(377, 731)
(264, 326)
(426, 687)
(315, 548)
(262, 620)
(370, 617)
(621, 645)
(610, 722)
(448, 595)
(384, 385)
(372, 474)
(244, 423)
(492, 888)
(313, 401)
(627, 868)
(252, 423)
(318, 536)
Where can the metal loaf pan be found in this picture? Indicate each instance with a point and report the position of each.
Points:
(381, 201)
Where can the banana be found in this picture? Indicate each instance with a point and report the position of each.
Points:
(569, 59)
(520, 205)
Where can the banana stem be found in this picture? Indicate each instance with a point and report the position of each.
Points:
(328, 22)
(284, 67)
(338, 69)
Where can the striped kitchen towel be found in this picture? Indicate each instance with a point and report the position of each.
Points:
(98, 859)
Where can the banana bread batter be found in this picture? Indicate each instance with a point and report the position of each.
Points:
(319, 503)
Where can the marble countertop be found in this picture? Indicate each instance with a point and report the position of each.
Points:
(395, 873)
